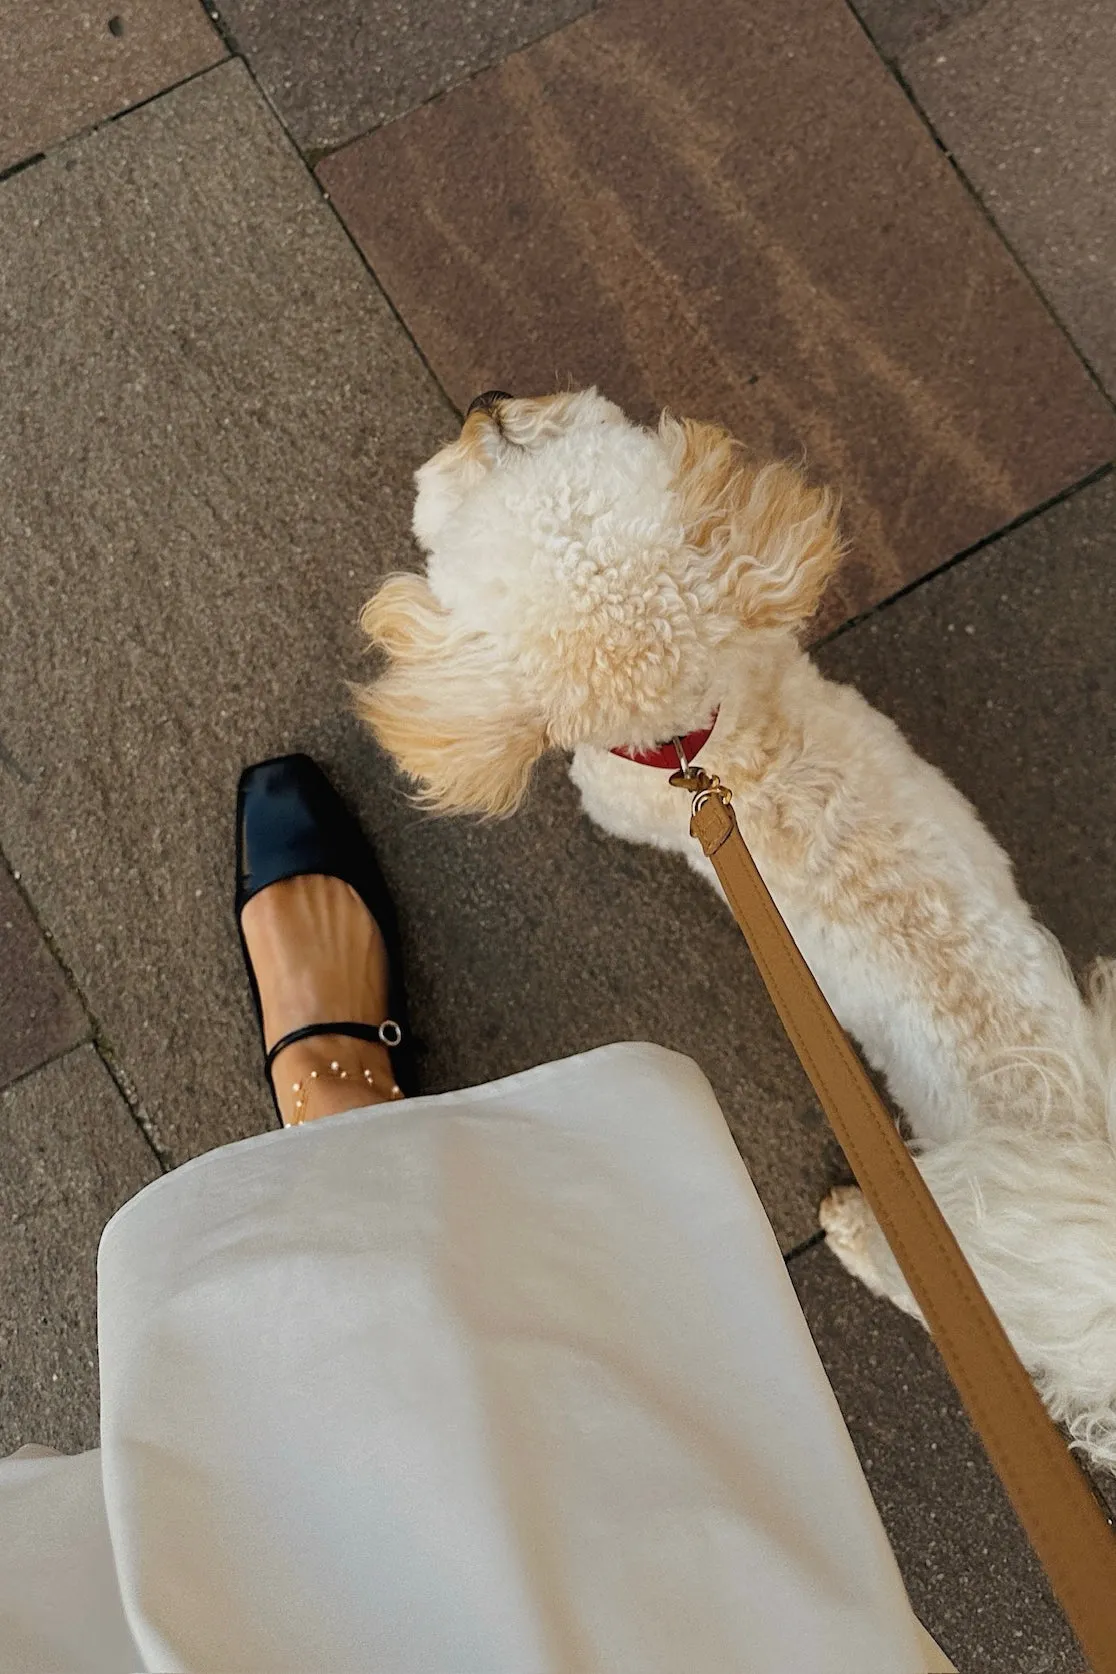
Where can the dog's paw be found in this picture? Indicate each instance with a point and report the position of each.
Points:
(850, 1231)
(843, 1211)
(845, 1218)
(853, 1234)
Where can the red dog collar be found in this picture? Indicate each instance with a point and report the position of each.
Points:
(666, 755)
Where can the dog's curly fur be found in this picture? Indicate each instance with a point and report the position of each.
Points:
(591, 584)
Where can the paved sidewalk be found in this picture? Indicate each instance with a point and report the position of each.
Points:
(252, 267)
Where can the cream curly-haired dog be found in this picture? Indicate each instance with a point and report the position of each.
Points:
(593, 585)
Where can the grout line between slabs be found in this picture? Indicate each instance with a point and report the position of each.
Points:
(990, 219)
(806, 1245)
(23, 163)
(313, 155)
(97, 1037)
(141, 104)
(1033, 512)
(212, 12)
(371, 272)
(44, 1063)
(105, 122)
(894, 69)
(325, 198)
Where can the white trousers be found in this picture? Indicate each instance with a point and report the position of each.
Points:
(505, 1381)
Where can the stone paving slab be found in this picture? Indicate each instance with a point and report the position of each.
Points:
(335, 68)
(897, 25)
(734, 212)
(69, 63)
(1022, 95)
(972, 1578)
(1001, 672)
(216, 418)
(40, 1015)
(72, 1156)
(218, 422)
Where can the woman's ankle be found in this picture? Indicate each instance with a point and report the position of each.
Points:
(329, 1074)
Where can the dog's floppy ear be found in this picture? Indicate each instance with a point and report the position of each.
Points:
(445, 708)
(769, 535)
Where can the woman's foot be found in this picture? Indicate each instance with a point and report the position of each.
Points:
(318, 957)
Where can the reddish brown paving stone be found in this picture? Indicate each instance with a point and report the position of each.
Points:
(40, 1015)
(69, 63)
(736, 213)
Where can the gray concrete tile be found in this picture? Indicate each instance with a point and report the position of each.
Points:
(72, 1156)
(335, 68)
(897, 25)
(40, 1015)
(1001, 672)
(71, 63)
(1021, 94)
(736, 213)
(970, 1572)
(219, 418)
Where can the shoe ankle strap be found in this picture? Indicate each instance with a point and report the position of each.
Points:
(388, 1033)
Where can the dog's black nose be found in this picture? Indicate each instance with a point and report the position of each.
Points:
(486, 402)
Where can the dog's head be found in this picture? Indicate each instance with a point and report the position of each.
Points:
(587, 582)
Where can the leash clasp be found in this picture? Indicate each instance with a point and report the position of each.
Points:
(700, 784)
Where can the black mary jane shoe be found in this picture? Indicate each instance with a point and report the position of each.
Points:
(289, 822)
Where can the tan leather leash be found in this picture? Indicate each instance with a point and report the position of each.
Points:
(1053, 1499)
